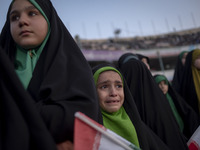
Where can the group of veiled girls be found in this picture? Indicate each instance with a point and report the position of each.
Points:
(45, 79)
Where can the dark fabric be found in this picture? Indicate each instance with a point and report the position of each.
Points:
(147, 138)
(62, 81)
(21, 126)
(152, 105)
(187, 88)
(188, 115)
(140, 56)
(178, 73)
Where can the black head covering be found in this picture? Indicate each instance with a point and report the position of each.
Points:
(147, 138)
(62, 81)
(21, 125)
(188, 115)
(126, 57)
(151, 103)
(187, 88)
(178, 73)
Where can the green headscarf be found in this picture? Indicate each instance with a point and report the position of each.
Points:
(119, 122)
(179, 120)
(182, 53)
(24, 63)
(107, 68)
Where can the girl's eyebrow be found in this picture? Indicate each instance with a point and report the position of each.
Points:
(26, 8)
(103, 82)
(118, 81)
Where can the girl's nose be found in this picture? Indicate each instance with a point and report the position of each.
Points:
(23, 20)
(113, 92)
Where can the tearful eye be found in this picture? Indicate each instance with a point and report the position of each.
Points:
(103, 87)
(119, 86)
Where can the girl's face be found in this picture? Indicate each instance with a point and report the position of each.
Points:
(197, 62)
(27, 25)
(163, 86)
(110, 91)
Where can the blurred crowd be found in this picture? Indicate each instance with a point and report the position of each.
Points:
(182, 38)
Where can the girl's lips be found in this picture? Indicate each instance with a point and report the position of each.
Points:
(25, 32)
(112, 101)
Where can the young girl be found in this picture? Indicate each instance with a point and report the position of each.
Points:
(119, 111)
(186, 117)
(50, 65)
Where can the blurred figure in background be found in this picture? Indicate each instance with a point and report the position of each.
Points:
(186, 117)
(190, 85)
(152, 105)
(178, 71)
(145, 60)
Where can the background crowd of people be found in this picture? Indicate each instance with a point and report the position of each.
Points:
(174, 39)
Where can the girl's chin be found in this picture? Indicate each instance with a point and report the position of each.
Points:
(113, 110)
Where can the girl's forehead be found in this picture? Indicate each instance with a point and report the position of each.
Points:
(109, 73)
(112, 75)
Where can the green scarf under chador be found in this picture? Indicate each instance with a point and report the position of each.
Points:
(120, 123)
(179, 120)
(26, 60)
(175, 112)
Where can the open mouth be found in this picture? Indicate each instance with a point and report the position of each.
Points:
(112, 101)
